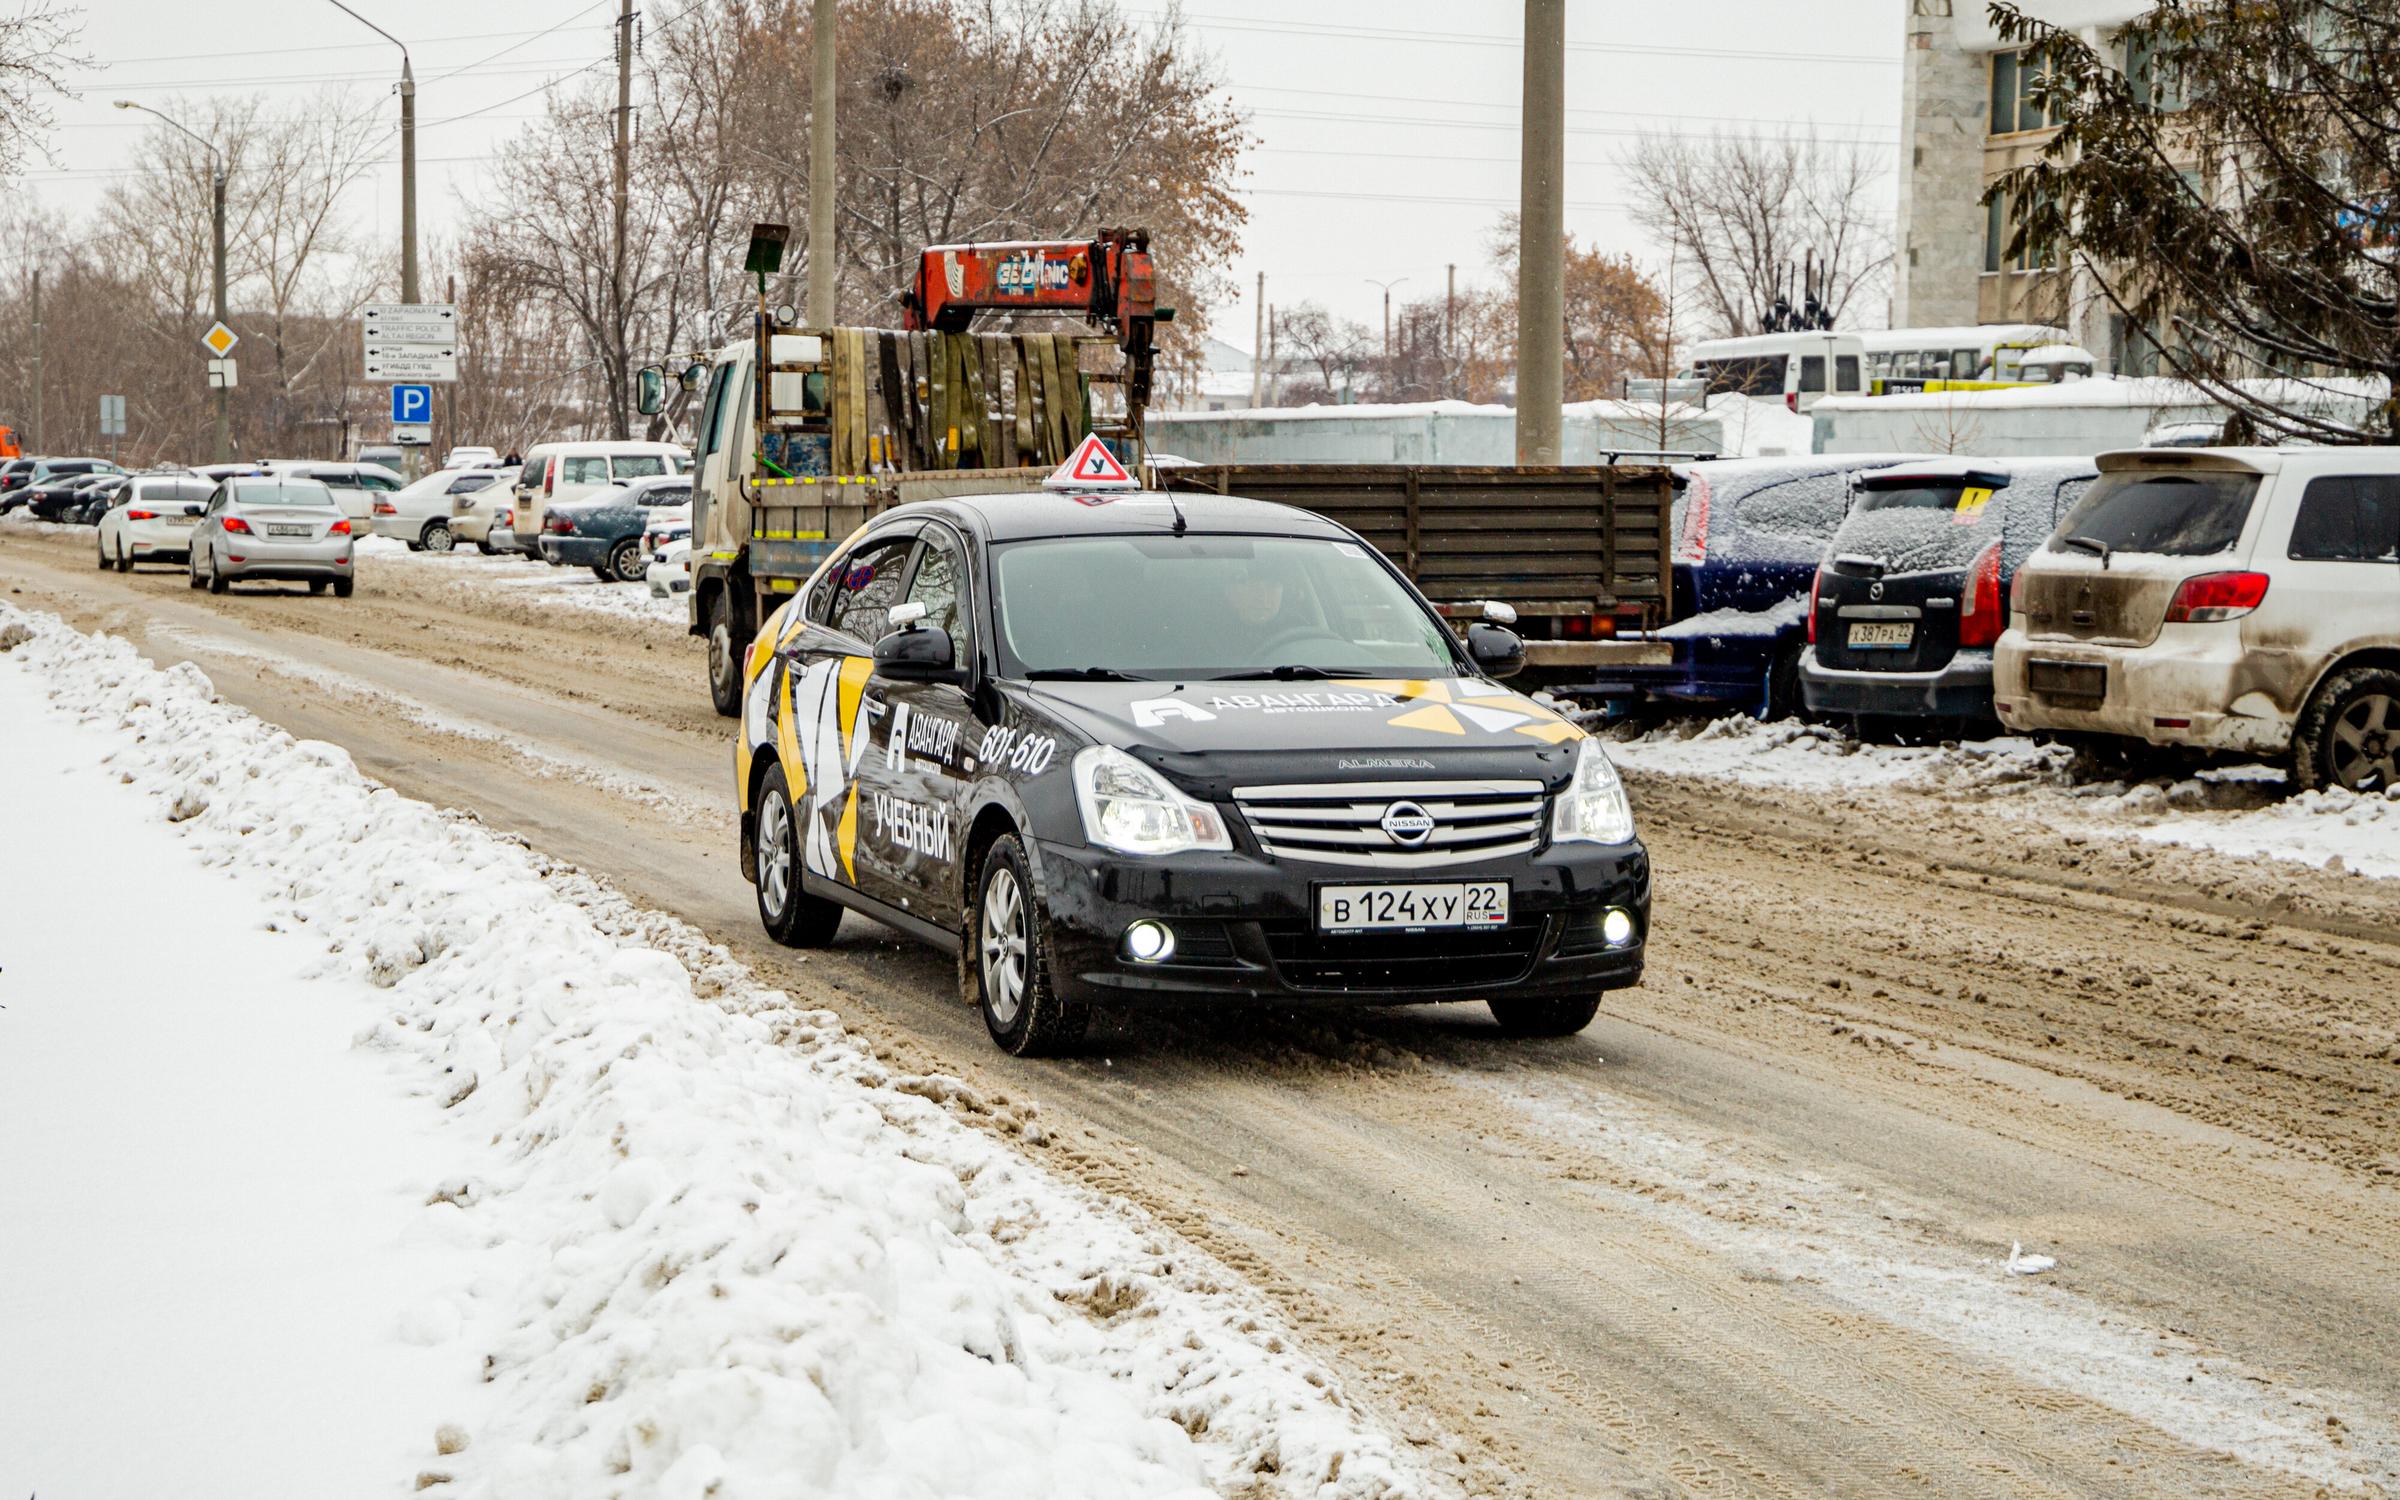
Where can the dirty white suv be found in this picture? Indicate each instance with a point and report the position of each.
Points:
(2235, 599)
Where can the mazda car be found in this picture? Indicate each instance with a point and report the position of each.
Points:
(1115, 747)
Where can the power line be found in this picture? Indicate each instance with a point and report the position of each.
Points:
(513, 46)
(1487, 39)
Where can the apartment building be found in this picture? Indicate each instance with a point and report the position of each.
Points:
(1965, 121)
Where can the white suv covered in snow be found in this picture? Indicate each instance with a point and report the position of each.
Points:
(2235, 599)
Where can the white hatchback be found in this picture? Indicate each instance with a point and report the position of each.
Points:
(2234, 599)
(432, 514)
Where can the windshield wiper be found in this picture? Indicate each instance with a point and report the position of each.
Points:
(2093, 545)
(1083, 674)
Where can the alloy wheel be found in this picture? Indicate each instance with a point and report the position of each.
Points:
(775, 851)
(2366, 743)
(1004, 946)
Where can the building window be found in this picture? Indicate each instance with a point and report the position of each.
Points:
(1995, 235)
(2012, 111)
(2156, 82)
(1999, 227)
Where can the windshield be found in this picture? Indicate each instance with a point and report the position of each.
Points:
(2178, 515)
(1170, 608)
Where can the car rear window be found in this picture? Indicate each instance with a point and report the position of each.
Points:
(2176, 515)
(1925, 523)
(2348, 518)
(283, 492)
(639, 466)
(590, 470)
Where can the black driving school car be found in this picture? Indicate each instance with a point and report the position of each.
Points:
(1116, 746)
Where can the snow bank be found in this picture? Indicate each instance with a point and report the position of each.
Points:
(1725, 622)
(725, 1251)
(572, 588)
(2239, 809)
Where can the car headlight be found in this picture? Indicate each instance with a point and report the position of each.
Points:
(1132, 809)
(1593, 808)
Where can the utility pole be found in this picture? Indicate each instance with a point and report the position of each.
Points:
(1542, 228)
(1273, 367)
(217, 223)
(1449, 326)
(821, 262)
(38, 445)
(408, 156)
(1258, 342)
(617, 420)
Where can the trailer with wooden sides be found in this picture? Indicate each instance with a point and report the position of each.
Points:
(1580, 553)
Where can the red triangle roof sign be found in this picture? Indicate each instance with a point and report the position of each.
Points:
(1091, 467)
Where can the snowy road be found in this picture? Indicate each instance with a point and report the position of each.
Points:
(1746, 1235)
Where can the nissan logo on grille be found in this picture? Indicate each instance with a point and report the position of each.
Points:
(1407, 824)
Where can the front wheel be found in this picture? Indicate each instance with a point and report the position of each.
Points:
(191, 569)
(790, 914)
(1563, 1016)
(1008, 952)
(2349, 736)
(724, 657)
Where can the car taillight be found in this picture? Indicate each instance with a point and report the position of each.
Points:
(550, 477)
(1791, 401)
(386, 508)
(559, 526)
(505, 518)
(1980, 622)
(237, 524)
(141, 515)
(1813, 580)
(1691, 538)
(2216, 596)
(339, 528)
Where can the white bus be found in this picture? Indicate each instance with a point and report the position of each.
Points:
(1793, 369)
(1903, 359)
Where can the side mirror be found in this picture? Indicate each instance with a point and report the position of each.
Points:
(650, 386)
(695, 376)
(1496, 650)
(916, 652)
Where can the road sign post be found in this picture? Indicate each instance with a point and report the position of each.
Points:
(411, 342)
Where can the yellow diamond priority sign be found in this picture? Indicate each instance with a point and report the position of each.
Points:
(220, 340)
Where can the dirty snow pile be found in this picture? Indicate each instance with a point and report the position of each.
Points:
(720, 1249)
(2236, 809)
(512, 575)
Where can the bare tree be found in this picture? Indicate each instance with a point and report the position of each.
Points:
(1749, 212)
(1337, 349)
(36, 45)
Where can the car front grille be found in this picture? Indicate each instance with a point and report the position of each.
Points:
(1342, 823)
(1405, 961)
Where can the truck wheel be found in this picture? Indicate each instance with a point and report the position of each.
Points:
(438, 537)
(1008, 960)
(2349, 735)
(724, 657)
(1555, 1017)
(790, 914)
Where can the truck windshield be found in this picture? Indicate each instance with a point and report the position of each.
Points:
(2177, 515)
(1192, 607)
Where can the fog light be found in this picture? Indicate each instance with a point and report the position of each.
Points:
(1148, 942)
(1617, 927)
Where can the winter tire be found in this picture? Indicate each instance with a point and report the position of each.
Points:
(102, 554)
(1549, 1017)
(439, 537)
(2349, 735)
(191, 571)
(317, 585)
(216, 575)
(343, 586)
(625, 561)
(124, 559)
(1008, 959)
(724, 657)
(1783, 684)
(790, 914)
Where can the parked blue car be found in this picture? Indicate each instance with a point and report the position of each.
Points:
(604, 533)
(1749, 533)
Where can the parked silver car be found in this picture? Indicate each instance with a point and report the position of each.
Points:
(271, 527)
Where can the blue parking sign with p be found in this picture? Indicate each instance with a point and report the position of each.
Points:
(412, 403)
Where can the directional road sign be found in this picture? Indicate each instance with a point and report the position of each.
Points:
(411, 341)
(411, 403)
(219, 340)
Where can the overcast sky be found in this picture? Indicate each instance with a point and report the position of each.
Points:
(1386, 129)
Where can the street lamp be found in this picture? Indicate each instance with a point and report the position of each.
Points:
(217, 215)
(408, 156)
(1387, 308)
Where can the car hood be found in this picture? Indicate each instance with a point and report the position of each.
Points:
(1223, 733)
